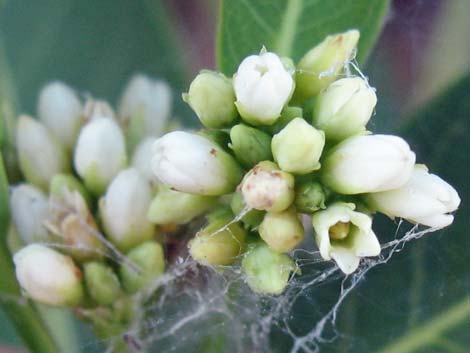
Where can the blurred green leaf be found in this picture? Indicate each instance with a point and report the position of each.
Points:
(20, 311)
(92, 45)
(292, 27)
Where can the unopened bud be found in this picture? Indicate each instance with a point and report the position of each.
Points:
(150, 262)
(97, 109)
(60, 110)
(322, 64)
(372, 163)
(266, 187)
(219, 243)
(282, 231)
(100, 153)
(48, 276)
(142, 160)
(212, 97)
(344, 108)
(29, 209)
(102, 283)
(267, 271)
(250, 145)
(174, 207)
(252, 218)
(124, 210)
(193, 164)
(287, 115)
(144, 108)
(40, 153)
(297, 148)
(310, 196)
(263, 86)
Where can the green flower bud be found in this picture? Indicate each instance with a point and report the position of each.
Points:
(174, 207)
(124, 210)
(29, 209)
(282, 231)
(310, 196)
(322, 64)
(61, 182)
(266, 187)
(40, 153)
(212, 98)
(220, 137)
(287, 115)
(218, 243)
(47, 276)
(267, 271)
(344, 108)
(150, 261)
(298, 147)
(250, 145)
(102, 283)
(251, 219)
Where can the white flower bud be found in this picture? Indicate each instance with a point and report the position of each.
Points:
(40, 153)
(48, 276)
(266, 187)
(124, 210)
(193, 164)
(29, 209)
(425, 199)
(142, 159)
(263, 87)
(344, 108)
(344, 235)
(297, 148)
(145, 107)
(100, 153)
(60, 110)
(373, 163)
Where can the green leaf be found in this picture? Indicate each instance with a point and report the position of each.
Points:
(21, 312)
(292, 27)
(92, 45)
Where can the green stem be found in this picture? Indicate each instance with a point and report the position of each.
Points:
(21, 312)
(426, 334)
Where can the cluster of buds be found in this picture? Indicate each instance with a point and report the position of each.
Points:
(88, 217)
(284, 143)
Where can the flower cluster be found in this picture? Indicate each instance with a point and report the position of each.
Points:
(285, 140)
(86, 215)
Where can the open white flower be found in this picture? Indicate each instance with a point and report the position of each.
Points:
(48, 276)
(263, 87)
(193, 164)
(373, 163)
(344, 235)
(426, 199)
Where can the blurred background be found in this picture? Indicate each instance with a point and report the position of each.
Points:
(424, 49)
